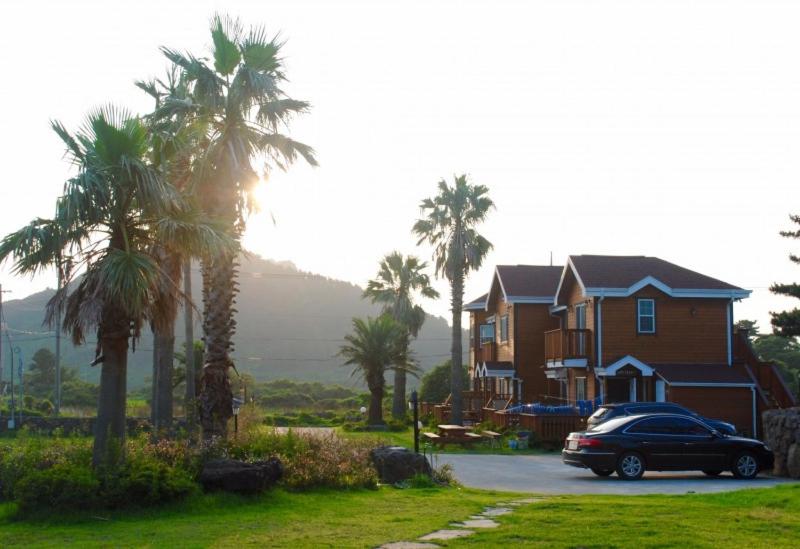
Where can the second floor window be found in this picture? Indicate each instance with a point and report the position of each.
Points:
(504, 328)
(487, 333)
(646, 316)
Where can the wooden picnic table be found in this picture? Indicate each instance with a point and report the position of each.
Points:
(452, 430)
(452, 434)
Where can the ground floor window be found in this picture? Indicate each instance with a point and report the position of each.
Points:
(580, 388)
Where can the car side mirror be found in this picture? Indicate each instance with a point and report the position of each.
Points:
(716, 434)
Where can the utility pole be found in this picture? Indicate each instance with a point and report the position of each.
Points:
(2, 291)
(1, 336)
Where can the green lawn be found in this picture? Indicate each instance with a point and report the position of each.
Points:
(406, 438)
(366, 518)
(360, 518)
(747, 518)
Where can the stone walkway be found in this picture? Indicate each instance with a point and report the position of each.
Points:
(465, 528)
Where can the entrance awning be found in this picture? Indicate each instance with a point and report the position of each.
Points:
(613, 369)
(495, 369)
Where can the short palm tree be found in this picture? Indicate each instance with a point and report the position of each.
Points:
(375, 346)
(238, 103)
(449, 225)
(112, 215)
(399, 279)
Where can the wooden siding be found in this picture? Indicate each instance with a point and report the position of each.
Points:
(733, 404)
(532, 320)
(687, 330)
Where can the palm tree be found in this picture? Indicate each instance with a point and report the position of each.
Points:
(174, 144)
(112, 214)
(449, 226)
(398, 279)
(240, 107)
(375, 346)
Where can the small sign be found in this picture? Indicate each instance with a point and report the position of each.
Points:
(10, 424)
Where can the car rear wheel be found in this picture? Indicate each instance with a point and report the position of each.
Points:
(745, 466)
(714, 473)
(630, 466)
(602, 472)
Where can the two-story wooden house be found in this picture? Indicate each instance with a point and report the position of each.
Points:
(506, 327)
(618, 329)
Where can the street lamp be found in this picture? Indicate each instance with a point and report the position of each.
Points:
(236, 405)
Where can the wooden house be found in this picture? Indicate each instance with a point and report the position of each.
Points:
(617, 329)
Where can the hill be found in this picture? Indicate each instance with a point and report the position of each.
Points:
(290, 326)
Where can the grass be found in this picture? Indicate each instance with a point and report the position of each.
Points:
(367, 518)
(406, 439)
(322, 518)
(747, 518)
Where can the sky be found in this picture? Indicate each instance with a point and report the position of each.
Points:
(669, 129)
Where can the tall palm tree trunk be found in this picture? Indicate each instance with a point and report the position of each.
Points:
(375, 414)
(399, 397)
(219, 290)
(456, 371)
(190, 399)
(164, 339)
(109, 428)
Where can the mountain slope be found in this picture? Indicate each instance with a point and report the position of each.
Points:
(290, 325)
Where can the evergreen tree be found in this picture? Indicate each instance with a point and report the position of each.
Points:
(787, 323)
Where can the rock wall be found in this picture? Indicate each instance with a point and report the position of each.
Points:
(782, 434)
(76, 425)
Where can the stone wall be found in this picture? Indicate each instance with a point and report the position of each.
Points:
(782, 434)
(68, 425)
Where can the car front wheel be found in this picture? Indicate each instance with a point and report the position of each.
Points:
(745, 466)
(630, 466)
(602, 472)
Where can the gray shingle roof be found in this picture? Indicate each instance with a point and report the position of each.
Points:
(609, 271)
(529, 280)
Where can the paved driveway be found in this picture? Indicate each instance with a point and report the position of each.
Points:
(545, 474)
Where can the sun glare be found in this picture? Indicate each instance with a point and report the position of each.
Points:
(260, 194)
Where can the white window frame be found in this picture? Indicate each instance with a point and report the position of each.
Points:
(486, 339)
(640, 316)
(503, 328)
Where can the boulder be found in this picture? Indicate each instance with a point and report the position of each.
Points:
(396, 464)
(231, 475)
(793, 460)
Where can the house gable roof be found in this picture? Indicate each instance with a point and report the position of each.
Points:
(525, 283)
(478, 304)
(622, 276)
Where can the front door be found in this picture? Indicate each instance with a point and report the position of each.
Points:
(617, 390)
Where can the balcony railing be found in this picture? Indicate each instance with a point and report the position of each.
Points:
(571, 344)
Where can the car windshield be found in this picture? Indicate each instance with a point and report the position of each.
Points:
(609, 425)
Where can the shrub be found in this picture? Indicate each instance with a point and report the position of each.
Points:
(309, 460)
(65, 486)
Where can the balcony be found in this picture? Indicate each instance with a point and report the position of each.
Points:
(570, 348)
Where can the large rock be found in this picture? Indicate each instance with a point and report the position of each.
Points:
(231, 475)
(781, 431)
(793, 460)
(396, 464)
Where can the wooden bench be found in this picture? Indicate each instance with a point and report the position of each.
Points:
(432, 437)
(492, 436)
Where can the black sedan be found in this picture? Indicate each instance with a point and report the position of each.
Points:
(630, 445)
(605, 412)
